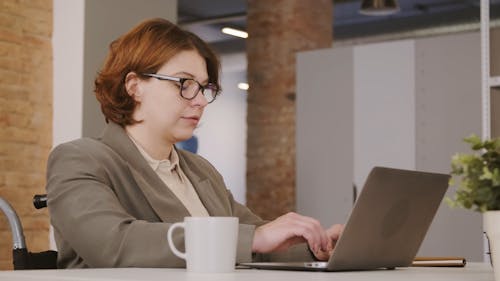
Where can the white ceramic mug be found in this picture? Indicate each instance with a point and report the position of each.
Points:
(210, 243)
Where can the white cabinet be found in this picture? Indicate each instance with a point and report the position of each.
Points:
(404, 104)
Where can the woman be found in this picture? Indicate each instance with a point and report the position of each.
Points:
(112, 199)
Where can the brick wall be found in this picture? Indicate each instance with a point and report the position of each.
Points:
(25, 116)
(277, 30)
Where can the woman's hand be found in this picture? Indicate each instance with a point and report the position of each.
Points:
(333, 234)
(288, 230)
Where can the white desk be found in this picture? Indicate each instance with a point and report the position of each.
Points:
(472, 272)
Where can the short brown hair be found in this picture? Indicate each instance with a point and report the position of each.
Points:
(144, 49)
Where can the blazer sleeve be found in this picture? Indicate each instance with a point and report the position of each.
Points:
(248, 223)
(88, 217)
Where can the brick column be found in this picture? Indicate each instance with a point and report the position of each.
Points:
(277, 30)
(25, 117)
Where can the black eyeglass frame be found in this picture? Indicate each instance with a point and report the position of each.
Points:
(181, 80)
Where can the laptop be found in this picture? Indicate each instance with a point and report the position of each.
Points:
(386, 225)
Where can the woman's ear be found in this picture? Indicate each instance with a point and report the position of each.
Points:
(132, 87)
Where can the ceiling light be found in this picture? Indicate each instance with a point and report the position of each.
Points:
(243, 86)
(379, 7)
(235, 32)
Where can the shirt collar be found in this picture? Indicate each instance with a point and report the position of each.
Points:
(165, 164)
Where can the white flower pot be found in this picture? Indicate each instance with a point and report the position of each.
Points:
(491, 224)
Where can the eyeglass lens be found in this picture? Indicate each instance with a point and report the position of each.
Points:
(190, 89)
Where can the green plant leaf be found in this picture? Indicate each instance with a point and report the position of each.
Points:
(477, 175)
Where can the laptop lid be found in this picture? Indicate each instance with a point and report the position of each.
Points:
(389, 220)
(387, 224)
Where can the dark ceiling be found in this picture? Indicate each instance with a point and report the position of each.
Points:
(207, 17)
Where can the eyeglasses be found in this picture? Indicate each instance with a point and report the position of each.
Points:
(189, 88)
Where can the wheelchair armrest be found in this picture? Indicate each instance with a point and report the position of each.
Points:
(15, 225)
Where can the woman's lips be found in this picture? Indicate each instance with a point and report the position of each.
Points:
(192, 119)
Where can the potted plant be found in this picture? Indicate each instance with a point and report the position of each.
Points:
(478, 178)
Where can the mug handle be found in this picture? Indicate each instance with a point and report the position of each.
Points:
(171, 242)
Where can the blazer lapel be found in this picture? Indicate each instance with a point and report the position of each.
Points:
(204, 188)
(162, 200)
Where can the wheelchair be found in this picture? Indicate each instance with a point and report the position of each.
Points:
(22, 258)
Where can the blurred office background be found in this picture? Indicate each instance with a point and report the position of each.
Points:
(331, 93)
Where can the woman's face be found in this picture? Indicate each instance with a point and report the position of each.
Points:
(164, 112)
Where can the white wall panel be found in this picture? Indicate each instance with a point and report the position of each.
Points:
(384, 107)
(324, 134)
(448, 108)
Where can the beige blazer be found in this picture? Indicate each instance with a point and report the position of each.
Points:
(110, 209)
